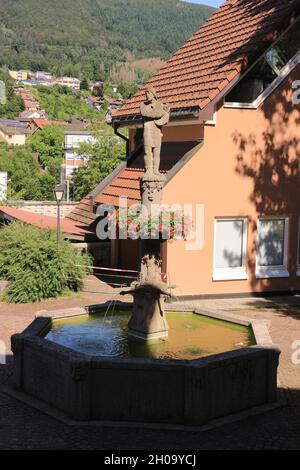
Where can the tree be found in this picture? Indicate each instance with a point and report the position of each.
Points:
(98, 90)
(84, 85)
(25, 180)
(14, 104)
(62, 103)
(36, 266)
(48, 143)
(108, 90)
(77, 37)
(127, 89)
(104, 155)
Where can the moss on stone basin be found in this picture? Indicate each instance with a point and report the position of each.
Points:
(190, 336)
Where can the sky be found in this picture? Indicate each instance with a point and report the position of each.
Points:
(212, 3)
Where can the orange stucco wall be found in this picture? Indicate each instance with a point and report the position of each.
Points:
(248, 166)
(183, 133)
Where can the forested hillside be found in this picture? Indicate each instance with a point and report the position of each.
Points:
(89, 37)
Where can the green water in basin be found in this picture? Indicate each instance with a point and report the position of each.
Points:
(190, 336)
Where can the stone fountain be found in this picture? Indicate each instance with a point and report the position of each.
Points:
(148, 319)
(89, 385)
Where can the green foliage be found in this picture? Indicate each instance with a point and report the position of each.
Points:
(104, 156)
(48, 143)
(85, 38)
(26, 181)
(108, 90)
(14, 104)
(37, 266)
(127, 89)
(84, 85)
(62, 103)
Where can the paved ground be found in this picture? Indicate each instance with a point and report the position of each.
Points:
(22, 427)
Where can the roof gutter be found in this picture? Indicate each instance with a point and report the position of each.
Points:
(116, 126)
(176, 115)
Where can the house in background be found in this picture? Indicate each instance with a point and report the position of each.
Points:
(72, 143)
(43, 78)
(97, 87)
(95, 102)
(13, 132)
(32, 106)
(70, 82)
(20, 75)
(113, 103)
(35, 124)
(233, 146)
(27, 116)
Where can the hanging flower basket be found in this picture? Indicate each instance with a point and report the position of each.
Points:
(166, 225)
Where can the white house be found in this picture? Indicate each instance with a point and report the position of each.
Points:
(13, 132)
(70, 82)
(72, 142)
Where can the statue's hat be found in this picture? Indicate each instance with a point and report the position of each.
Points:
(152, 90)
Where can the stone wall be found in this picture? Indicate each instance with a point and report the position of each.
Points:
(44, 207)
(189, 393)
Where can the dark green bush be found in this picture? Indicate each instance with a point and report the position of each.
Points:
(36, 266)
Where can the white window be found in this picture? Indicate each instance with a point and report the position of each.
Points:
(272, 245)
(268, 71)
(70, 156)
(230, 249)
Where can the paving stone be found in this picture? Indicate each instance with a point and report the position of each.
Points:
(22, 427)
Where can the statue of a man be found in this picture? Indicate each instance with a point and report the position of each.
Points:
(155, 116)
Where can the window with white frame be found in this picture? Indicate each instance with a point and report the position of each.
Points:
(272, 246)
(70, 156)
(230, 249)
(271, 66)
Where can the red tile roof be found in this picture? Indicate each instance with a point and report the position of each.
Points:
(127, 182)
(83, 213)
(41, 122)
(43, 221)
(230, 39)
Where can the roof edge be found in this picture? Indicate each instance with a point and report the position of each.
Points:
(177, 114)
(101, 186)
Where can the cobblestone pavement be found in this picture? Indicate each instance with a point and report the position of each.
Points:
(22, 427)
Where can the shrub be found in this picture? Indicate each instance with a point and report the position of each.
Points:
(37, 266)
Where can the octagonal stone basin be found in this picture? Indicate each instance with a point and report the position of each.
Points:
(191, 336)
(186, 381)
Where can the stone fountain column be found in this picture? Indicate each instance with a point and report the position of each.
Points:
(148, 319)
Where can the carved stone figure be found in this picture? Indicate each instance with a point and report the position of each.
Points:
(148, 319)
(155, 116)
(151, 190)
